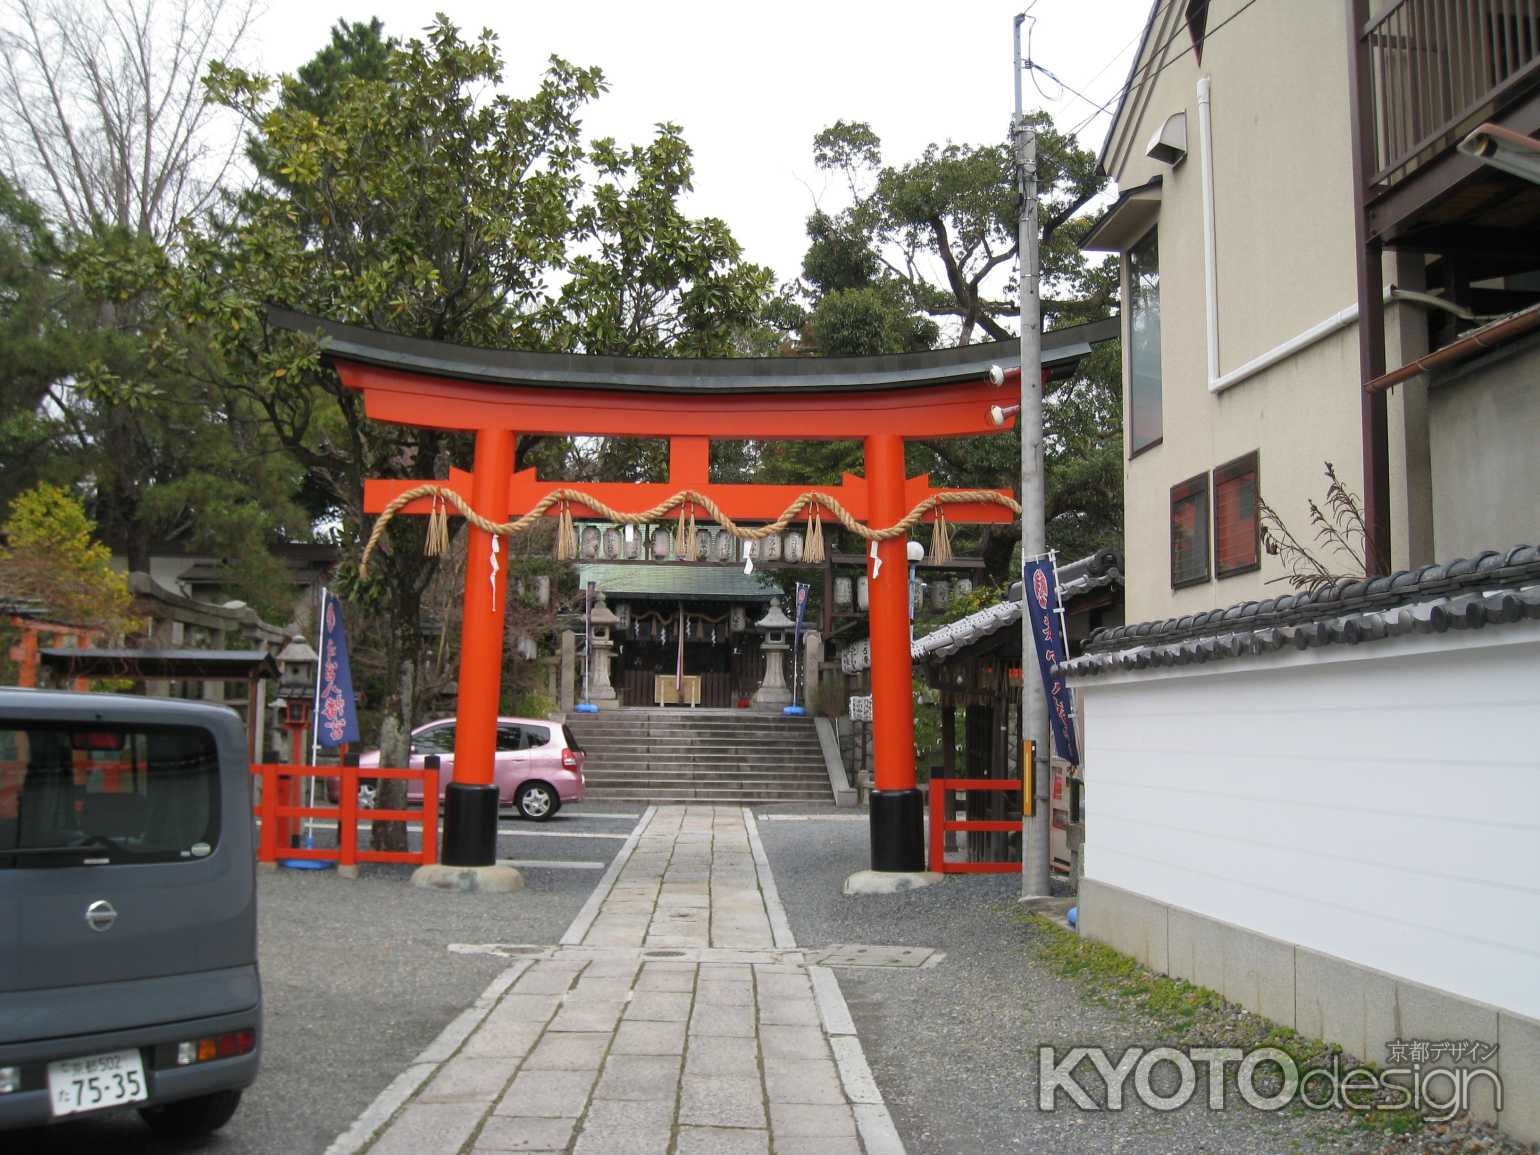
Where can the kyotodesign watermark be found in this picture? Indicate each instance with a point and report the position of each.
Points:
(1269, 1079)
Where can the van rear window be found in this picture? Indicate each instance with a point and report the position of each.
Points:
(101, 794)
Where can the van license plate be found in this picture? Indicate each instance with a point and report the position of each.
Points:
(96, 1082)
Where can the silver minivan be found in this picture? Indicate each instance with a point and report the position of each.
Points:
(128, 953)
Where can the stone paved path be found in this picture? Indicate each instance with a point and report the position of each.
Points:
(676, 1016)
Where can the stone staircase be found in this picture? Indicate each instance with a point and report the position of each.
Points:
(700, 755)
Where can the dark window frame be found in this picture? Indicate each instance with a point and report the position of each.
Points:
(1180, 492)
(1238, 467)
(1197, 25)
(1135, 449)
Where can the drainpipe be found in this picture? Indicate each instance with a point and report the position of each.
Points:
(1210, 275)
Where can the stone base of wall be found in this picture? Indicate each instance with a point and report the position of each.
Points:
(1321, 996)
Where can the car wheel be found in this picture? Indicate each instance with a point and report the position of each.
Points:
(191, 1118)
(536, 801)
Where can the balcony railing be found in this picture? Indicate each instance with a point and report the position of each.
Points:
(1436, 68)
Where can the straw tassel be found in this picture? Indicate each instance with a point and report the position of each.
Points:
(940, 539)
(566, 535)
(438, 528)
(690, 551)
(812, 549)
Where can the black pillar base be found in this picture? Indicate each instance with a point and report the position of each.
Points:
(898, 830)
(470, 825)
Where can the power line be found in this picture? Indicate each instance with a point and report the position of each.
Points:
(1139, 75)
(1033, 67)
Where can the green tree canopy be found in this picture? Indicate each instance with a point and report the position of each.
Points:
(429, 202)
(925, 252)
(51, 556)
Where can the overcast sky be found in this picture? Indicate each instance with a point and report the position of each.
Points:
(751, 84)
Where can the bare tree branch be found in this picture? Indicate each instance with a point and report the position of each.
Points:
(102, 109)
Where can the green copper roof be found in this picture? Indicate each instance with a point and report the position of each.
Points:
(679, 582)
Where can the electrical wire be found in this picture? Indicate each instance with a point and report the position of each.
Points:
(1141, 74)
(1033, 67)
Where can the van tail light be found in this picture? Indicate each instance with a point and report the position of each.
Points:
(224, 1046)
(568, 760)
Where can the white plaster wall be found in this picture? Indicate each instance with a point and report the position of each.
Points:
(1379, 803)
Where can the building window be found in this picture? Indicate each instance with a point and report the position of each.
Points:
(1237, 537)
(1197, 23)
(1144, 345)
(1189, 532)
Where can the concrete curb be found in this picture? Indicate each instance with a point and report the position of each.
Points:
(839, 780)
(878, 1134)
(780, 926)
(360, 1134)
(590, 911)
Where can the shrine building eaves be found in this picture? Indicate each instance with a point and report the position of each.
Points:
(1062, 351)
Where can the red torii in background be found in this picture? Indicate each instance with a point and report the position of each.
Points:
(498, 395)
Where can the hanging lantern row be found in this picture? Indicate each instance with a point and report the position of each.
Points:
(650, 525)
(938, 594)
(611, 543)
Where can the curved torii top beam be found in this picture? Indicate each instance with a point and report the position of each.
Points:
(940, 393)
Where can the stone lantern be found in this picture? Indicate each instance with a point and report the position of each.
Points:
(296, 693)
(772, 693)
(601, 692)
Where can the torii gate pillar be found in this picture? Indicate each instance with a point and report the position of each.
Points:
(897, 806)
(470, 801)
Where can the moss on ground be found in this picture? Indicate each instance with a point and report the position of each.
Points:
(1188, 1014)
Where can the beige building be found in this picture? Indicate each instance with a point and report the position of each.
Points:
(1233, 151)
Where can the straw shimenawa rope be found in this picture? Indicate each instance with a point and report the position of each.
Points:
(669, 504)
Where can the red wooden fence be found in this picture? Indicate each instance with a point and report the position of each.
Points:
(280, 805)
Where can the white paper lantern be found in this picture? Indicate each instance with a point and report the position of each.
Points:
(862, 601)
(792, 549)
(590, 541)
(842, 592)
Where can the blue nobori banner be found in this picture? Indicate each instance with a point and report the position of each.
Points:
(1040, 597)
(336, 715)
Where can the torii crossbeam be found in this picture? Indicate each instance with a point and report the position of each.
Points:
(497, 395)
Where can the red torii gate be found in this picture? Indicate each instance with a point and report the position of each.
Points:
(497, 395)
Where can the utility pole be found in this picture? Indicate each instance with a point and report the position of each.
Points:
(1036, 830)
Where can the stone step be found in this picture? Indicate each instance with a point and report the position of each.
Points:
(624, 718)
(627, 738)
(701, 755)
(727, 733)
(674, 773)
(644, 752)
(663, 778)
(740, 796)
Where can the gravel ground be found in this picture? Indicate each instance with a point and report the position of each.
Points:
(954, 1046)
(357, 980)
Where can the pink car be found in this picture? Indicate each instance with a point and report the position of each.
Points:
(538, 765)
